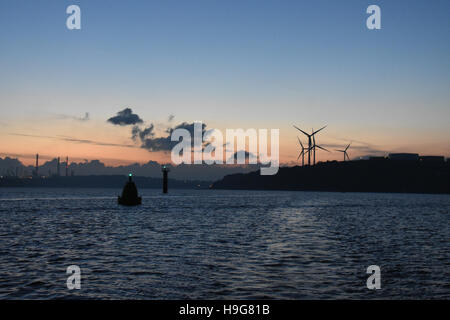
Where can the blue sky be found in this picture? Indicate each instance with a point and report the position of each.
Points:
(250, 64)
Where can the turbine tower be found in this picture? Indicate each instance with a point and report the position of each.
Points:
(302, 153)
(345, 152)
(310, 145)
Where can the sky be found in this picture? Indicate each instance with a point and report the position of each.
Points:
(231, 64)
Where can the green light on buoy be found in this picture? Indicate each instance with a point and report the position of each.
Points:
(130, 174)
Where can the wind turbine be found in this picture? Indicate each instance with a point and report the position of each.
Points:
(345, 152)
(302, 153)
(310, 146)
(314, 148)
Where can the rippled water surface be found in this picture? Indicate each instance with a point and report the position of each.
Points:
(207, 244)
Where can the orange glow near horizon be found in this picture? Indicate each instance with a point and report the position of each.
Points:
(105, 143)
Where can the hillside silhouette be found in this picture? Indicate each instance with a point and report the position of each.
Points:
(349, 176)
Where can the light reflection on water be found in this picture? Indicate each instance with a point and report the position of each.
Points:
(208, 244)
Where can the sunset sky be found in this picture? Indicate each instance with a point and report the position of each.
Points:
(230, 64)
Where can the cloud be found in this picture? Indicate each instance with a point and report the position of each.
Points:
(145, 136)
(137, 132)
(158, 144)
(147, 139)
(125, 117)
(71, 139)
(151, 143)
(359, 146)
(82, 119)
(243, 153)
(189, 127)
(98, 143)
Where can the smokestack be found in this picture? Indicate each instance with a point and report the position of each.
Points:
(37, 165)
(58, 173)
(67, 166)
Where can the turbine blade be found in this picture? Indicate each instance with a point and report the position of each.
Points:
(318, 130)
(301, 144)
(301, 131)
(322, 148)
(347, 147)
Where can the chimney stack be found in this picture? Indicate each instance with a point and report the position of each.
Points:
(67, 166)
(37, 165)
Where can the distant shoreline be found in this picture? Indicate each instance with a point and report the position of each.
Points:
(99, 181)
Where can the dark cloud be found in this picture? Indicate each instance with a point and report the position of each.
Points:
(189, 127)
(158, 144)
(146, 136)
(164, 143)
(125, 117)
(137, 132)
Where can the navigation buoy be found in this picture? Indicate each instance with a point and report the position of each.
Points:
(129, 194)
